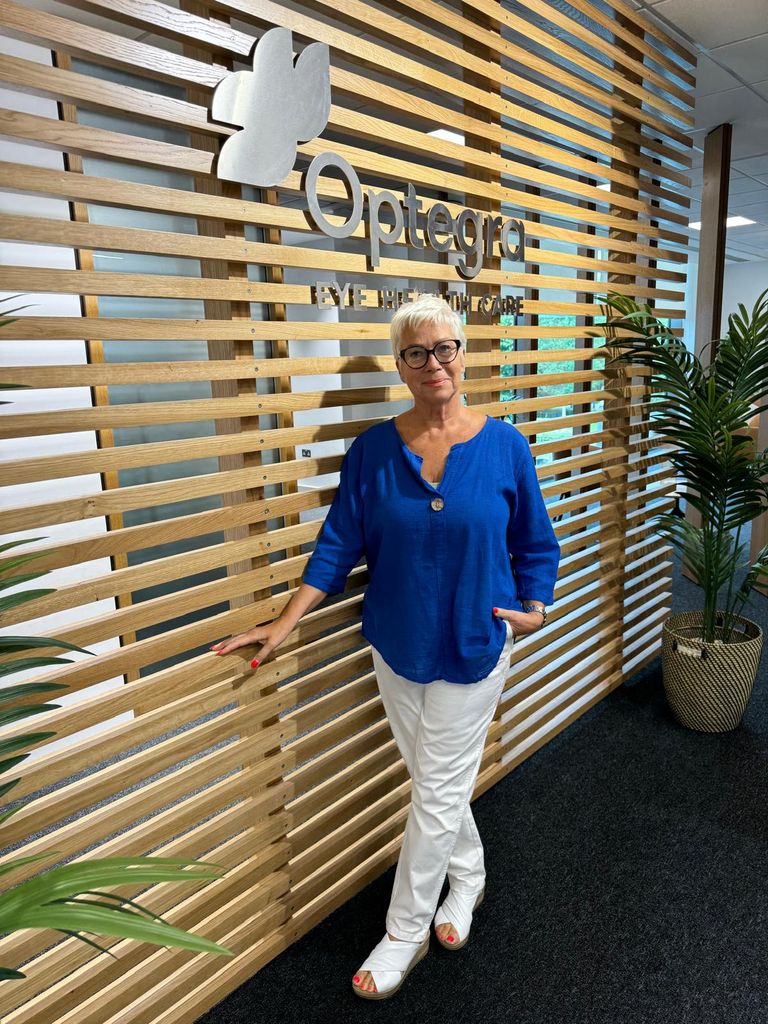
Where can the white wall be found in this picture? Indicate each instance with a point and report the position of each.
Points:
(743, 283)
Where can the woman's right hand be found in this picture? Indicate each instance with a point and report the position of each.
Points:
(270, 636)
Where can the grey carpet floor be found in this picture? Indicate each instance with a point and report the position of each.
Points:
(627, 884)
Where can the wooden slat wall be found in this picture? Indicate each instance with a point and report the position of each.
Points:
(574, 120)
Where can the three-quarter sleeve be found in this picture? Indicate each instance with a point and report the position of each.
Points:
(531, 540)
(340, 543)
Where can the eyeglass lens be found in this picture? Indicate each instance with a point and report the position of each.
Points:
(417, 356)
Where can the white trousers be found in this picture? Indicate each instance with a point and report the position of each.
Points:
(440, 730)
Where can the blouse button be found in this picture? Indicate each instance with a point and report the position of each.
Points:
(437, 504)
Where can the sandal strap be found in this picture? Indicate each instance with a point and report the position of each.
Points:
(391, 956)
(456, 910)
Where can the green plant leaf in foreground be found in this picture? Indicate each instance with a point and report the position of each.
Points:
(31, 643)
(22, 690)
(49, 901)
(14, 600)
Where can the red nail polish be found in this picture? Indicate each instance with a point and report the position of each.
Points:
(495, 611)
(450, 938)
(255, 663)
(356, 979)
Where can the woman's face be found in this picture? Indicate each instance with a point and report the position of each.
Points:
(433, 382)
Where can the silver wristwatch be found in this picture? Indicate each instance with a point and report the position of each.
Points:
(532, 606)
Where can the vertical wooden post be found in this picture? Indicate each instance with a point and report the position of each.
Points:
(759, 537)
(489, 345)
(482, 202)
(587, 252)
(529, 344)
(618, 413)
(94, 350)
(241, 351)
(709, 285)
(714, 210)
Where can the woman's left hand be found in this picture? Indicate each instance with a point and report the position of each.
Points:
(522, 623)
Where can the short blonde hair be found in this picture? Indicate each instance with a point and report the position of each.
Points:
(425, 309)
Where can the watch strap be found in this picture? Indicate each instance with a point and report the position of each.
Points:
(533, 606)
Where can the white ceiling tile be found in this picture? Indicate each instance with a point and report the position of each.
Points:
(710, 77)
(739, 106)
(750, 233)
(755, 195)
(714, 24)
(757, 166)
(761, 87)
(755, 211)
(748, 58)
(741, 183)
(749, 199)
(750, 139)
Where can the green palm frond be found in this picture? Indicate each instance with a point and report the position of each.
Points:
(23, 690)
(704, 412)
(18, 862)
(7, 317)
(14, 600)
(741, 363)
(10, 578)
(50, 901)
(757, 571)
(30, 643)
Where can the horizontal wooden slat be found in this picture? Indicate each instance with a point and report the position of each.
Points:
(67, 37)
(116, 50)
(49, 809)
(154, 197)
(621, 57)
(562, 49)
(108, 97)
(653, 27)
(73, 376)
(89, 236)
(139, 414)
(352, 46)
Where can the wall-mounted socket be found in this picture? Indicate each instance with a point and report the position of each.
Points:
(306, 453)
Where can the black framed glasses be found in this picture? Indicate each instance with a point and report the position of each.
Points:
(417, 356)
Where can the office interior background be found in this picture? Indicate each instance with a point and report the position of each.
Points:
(189, 370)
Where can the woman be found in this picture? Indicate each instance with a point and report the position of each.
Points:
(445, 505)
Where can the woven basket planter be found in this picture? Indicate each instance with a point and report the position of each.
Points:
(708, 685)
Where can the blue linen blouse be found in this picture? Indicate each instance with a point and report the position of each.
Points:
(440, 559)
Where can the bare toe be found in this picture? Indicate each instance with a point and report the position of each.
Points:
(366, 982)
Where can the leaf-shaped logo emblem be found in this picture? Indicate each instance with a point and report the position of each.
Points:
(278, 104)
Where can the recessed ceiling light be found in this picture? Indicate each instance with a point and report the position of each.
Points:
(731, 222)
(446, 136)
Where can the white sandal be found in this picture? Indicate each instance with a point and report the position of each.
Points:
(456, 911)
(390, 963)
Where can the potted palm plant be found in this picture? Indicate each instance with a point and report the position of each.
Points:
(710, 657)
